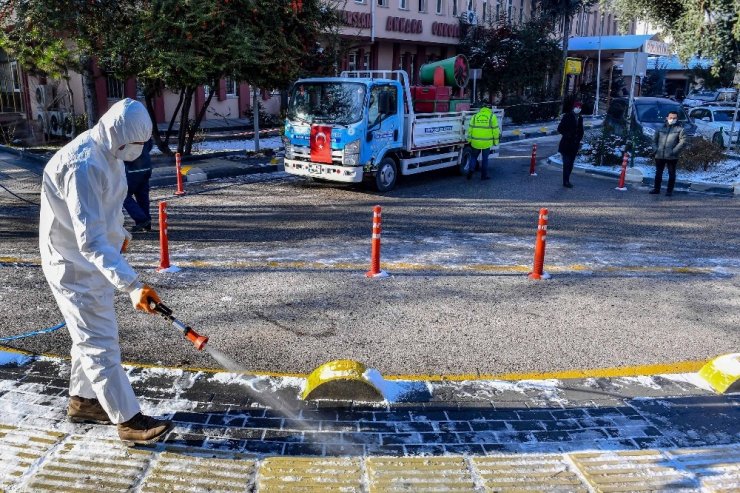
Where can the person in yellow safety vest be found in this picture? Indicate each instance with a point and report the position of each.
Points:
(483, 133)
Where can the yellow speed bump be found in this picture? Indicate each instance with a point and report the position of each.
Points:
(341, 380)
(723, 373)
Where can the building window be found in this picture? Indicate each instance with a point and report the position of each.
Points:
(422, 5)
(440, 6)
(403, 4)
(352, 61)
(509, 9)
(587, 18)
(521, 12)
(485, 10)
(231, 86)
(359, 1)
(114, 86)
(471, 5)
(366, 61)
(498, 10)
(382, 3)
(15, 76)
(454, 8)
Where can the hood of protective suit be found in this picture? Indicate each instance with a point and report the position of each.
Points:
(125, 122)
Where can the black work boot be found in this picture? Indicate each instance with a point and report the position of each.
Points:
(82, 410)
(143, 430)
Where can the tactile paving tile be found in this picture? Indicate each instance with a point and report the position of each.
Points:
(527, 472)
(180, 472)
(418, 474)
(20, 448)
(638, 470)
(340, 474)
(717, 468)
(85, 464)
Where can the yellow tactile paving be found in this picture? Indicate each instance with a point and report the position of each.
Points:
(717, 468)
(88, 464)
(525, 472)
(20, 448)
(638, 470)
(340, 474)
(180, 472)
(418, 474)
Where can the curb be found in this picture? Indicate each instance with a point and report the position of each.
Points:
(697, 186)
(196, 175)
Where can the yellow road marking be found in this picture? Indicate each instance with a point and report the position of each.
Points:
(610, 372)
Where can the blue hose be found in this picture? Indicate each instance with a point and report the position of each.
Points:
(34, 333)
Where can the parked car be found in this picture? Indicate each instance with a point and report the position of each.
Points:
(648, 114)
(714, 123)
(704, 97)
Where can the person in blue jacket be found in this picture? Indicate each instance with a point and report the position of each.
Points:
(138, 173)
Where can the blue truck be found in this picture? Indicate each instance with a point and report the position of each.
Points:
(361, 127)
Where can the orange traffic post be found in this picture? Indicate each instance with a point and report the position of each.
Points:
(178, 169)
(533, 160)
(623, 174)
(164, 244)
(539, 248)
(375, 246)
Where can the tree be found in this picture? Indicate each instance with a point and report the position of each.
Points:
(55, 37)
(513, 57)
(563, 11)
(710, 28)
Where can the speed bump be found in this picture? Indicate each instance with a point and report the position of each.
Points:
(723, 373)
(341, 380)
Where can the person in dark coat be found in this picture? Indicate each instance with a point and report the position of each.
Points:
(571, 128)
(668, 142)
(136, 203)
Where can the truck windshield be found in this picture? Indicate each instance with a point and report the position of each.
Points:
(327, 102)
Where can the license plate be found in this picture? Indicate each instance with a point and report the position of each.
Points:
(315, 169)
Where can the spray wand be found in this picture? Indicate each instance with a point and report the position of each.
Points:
(198, 340)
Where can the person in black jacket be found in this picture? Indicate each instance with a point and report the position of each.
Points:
(669, 141)
(136, 203)
(571, 128)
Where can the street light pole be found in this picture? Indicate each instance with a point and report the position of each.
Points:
(598, 69)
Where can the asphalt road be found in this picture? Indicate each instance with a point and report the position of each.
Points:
(274, 275)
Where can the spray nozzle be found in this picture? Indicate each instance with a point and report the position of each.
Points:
(198, 340)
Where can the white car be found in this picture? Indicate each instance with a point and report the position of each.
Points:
(714, 123)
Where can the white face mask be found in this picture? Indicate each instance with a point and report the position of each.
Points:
(576, 110)
(129, 152)
(672, 121)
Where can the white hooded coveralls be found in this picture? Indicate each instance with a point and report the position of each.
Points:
(80, 237)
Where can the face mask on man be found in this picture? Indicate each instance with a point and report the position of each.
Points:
(672, 121)
(130, 152)
(576, 110)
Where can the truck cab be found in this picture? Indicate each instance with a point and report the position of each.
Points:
(362, 127)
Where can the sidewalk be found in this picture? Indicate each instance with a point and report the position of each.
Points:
(635, 176)
(592, 434)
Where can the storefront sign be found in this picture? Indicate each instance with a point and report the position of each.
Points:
(446, 30)
(360, 20)
(403, 25)
(653, 47)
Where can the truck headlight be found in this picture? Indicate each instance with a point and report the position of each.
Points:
(352, 153)
(648, 131)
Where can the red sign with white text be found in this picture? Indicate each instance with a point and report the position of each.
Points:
(321, 144)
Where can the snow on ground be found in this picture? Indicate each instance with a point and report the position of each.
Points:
(229, 145)
(726, 173)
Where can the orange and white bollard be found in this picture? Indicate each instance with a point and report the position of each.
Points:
(539, 249)
(178, 169)
(375, 246)
(164, 244)
(623, 174)
(533, 160)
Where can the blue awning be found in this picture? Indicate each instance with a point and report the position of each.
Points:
(673, 63)
(632, 42)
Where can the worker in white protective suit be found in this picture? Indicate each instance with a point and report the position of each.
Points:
(82, 240)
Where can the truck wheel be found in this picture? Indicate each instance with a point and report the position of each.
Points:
(385, 177)
(467, 151)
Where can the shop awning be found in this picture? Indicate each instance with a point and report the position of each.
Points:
(615, 44)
